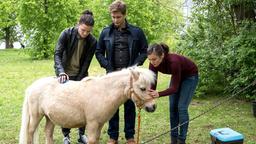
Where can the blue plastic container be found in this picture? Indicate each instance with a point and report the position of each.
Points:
(226, 136)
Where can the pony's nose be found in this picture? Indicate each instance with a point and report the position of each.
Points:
(151, 109)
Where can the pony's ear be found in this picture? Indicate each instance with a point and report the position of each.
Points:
(135, 74)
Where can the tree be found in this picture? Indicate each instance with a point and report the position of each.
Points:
(243, 10)
(43, 20)
(158, 22)
(223, 44)
(8, 23)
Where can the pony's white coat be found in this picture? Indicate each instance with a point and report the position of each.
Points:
(90, 102)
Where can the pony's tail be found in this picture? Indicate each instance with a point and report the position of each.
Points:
(36, 137)
(25, 124)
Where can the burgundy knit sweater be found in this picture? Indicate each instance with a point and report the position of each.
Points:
(178, 66)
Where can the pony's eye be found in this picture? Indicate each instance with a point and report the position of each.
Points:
(142, 89)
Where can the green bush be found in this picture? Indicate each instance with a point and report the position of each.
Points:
(224, 49)
(240, 60)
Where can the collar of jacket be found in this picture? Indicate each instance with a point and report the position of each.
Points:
(127, 27)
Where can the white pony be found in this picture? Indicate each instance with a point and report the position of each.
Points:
(90, 102)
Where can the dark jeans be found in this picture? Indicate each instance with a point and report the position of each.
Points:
(129, 122)
(66, 131)
(178, 108)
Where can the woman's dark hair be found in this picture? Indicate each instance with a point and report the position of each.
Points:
(87, 18)
(158, 49)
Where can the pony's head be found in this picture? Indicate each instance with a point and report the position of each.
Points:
(140, 83)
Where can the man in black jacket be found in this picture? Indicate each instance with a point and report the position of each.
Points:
(121, 45)
(73, 54)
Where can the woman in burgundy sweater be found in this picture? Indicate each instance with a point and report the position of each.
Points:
(183, 83)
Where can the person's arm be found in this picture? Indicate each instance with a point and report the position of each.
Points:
(175, 80)
(58, 53)
(152, 91)
(101, 51)
(143, 45)
(152, 68)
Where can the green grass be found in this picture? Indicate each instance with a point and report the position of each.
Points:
(18, 72)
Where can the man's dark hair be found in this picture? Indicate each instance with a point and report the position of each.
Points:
(118, 6)
(87, 18)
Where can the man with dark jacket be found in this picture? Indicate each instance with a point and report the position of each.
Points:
(121, 45)
(73, 54)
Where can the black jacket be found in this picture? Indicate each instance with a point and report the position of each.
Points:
(65, 48)
(137, 47)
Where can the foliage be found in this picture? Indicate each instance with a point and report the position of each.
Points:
(220, 45)
(100, 12)
(240, 60)
(43, 20)
(8, 21)
(152, 16)
(8, 14)
(157, 22)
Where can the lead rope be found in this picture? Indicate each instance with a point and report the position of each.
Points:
(203, 113)
(138, 129)
(139, 110)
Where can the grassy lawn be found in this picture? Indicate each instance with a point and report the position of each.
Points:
(18, 72)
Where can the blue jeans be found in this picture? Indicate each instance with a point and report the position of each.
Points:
(129, 122)
(178, 107)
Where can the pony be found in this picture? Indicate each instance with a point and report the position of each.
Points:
(90, 102)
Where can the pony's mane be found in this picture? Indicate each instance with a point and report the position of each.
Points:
(88, 78)
(116, 73)
(146, 74)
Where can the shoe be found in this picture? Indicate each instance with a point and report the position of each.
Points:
(66, 140)
(82, 139)
(181, 141)
(130, 141)
(112, 141)
(174, 140)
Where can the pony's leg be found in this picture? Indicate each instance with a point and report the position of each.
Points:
(49, 128)
(94, 130)
(34, 121)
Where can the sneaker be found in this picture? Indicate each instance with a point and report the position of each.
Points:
(181, 141)
(82, 139)
(112, 141)
(130, 141)
(66, 140)
(173, 140)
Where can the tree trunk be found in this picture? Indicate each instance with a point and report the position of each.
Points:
(8, 42)
(244, 11)
(232, 15)
(45, 39)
